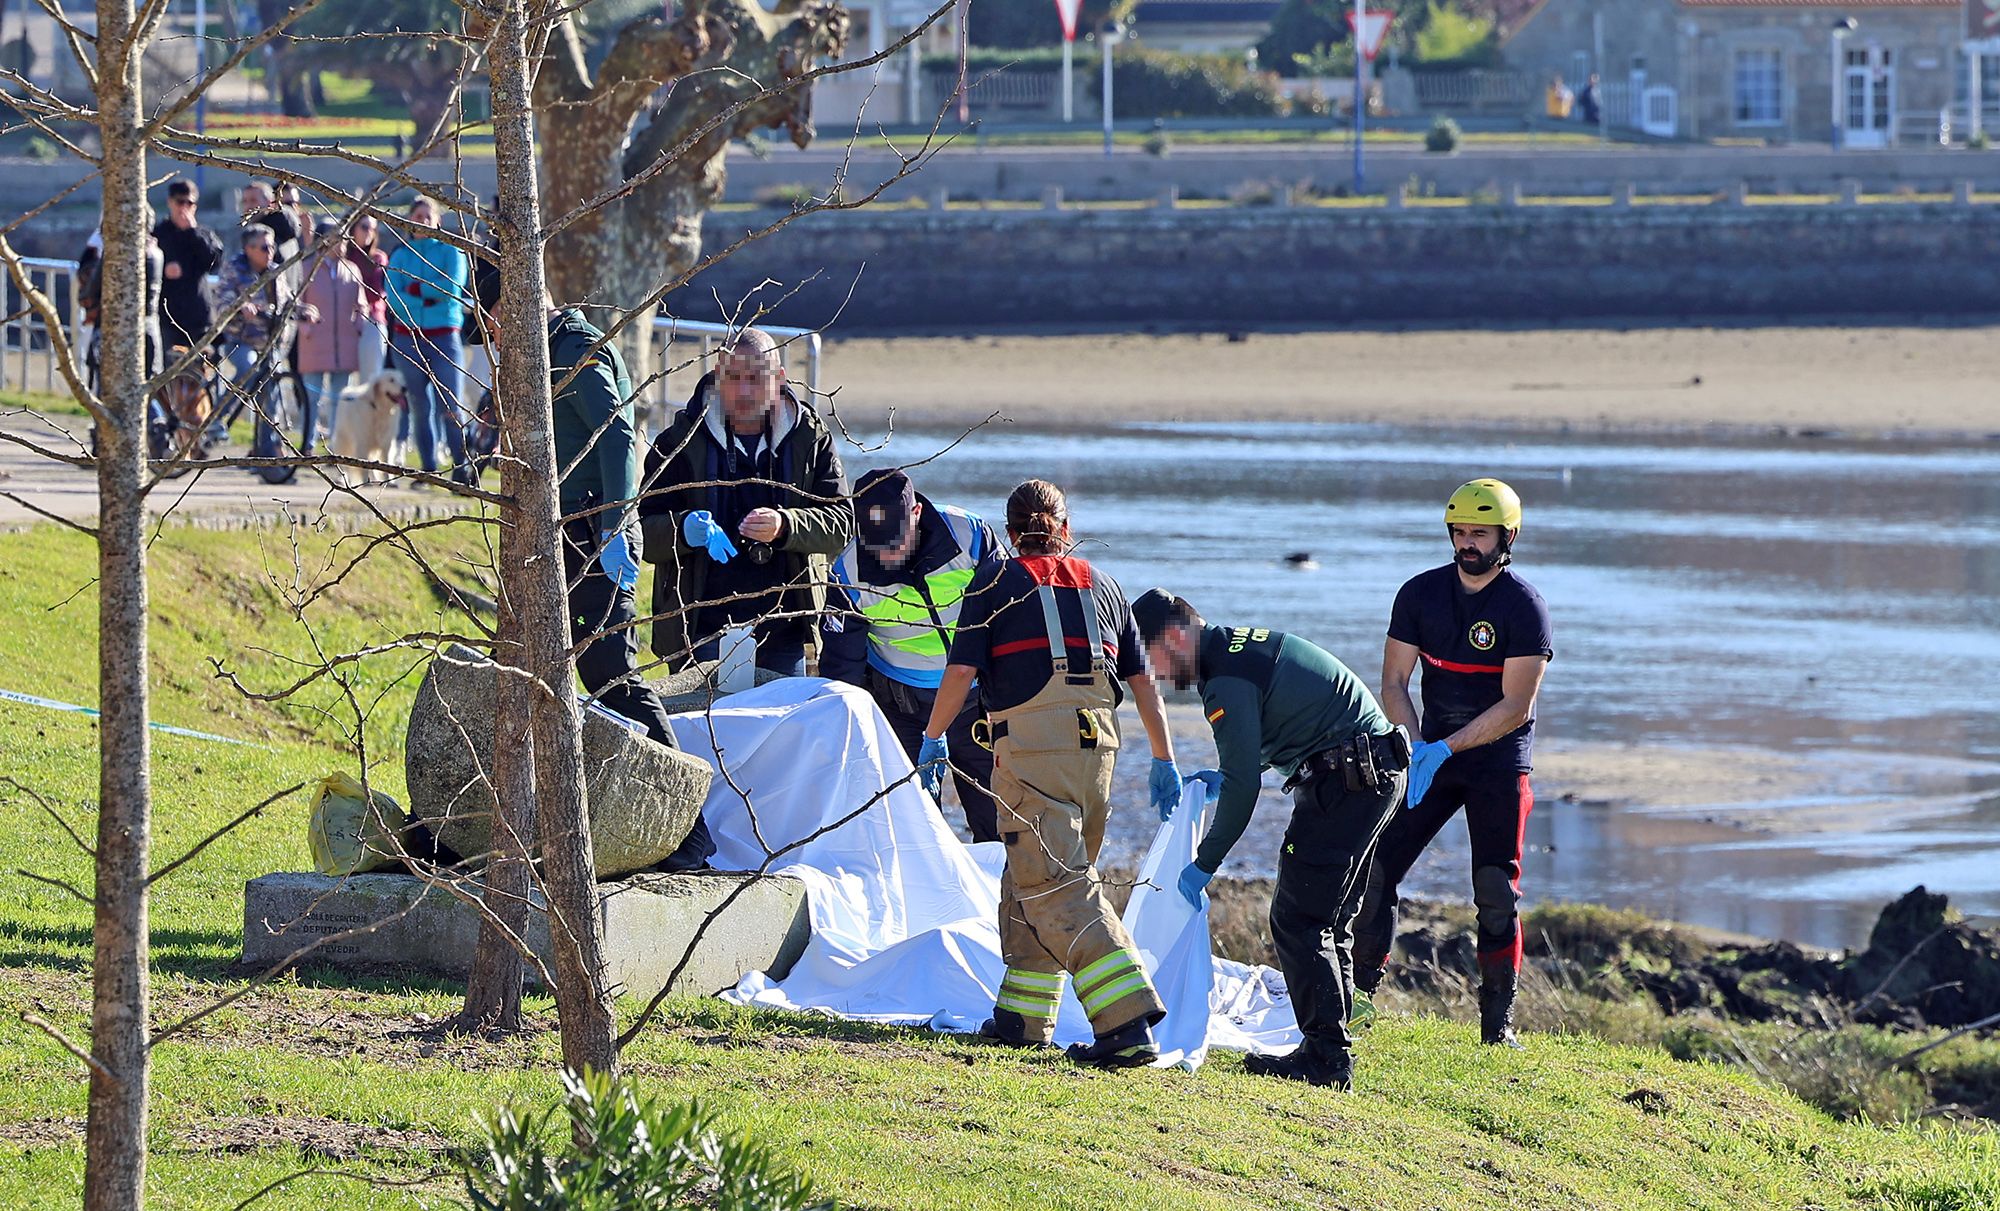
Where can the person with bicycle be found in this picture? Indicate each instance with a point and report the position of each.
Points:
(259, 304)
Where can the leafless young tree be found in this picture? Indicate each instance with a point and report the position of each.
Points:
(733, 68)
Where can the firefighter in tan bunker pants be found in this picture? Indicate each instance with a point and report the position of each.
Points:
(1048, 638)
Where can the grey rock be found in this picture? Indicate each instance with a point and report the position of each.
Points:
(693, 688)
(644, 797)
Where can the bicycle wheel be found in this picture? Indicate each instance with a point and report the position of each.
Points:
(273, 422)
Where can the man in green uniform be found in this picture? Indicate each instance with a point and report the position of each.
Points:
(1277, 701)
(597, 450)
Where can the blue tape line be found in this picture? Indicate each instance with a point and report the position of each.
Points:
(73, 708)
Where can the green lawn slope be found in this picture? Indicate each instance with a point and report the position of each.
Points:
(352, 1079)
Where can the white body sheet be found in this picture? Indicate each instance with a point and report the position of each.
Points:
(904, 914)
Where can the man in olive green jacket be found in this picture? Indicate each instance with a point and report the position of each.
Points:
(744, 507)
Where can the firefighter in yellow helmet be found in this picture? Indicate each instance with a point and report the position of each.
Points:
(1482, 635)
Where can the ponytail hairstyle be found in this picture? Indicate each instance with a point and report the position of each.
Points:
(1036, 515)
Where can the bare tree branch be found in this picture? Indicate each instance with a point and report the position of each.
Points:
(62, 1040)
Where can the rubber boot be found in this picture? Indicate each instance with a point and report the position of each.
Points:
(1129, 1046)
(1009, 1028)
(1496, 1010)
(1326, 1072)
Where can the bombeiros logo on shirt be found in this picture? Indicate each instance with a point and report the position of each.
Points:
(1482, 635)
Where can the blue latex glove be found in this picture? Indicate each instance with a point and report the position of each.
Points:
(931, 758)
(1210, 778)
(1165, 783)
(1193, 879)
(701, 531)
(614, 555)
(1424, 762)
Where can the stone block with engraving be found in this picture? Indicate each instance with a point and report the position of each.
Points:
(402, 922)
(644, 797)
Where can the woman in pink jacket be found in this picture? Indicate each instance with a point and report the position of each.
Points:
(333, 316)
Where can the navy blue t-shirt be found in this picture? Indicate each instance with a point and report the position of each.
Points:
(1002, 634)
(1464, 640)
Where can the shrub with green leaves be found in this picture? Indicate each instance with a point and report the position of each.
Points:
(1443, 135)
(636, 1155)
(787, 196)
(1453, 40)
(1165, 84)
(1302, 30)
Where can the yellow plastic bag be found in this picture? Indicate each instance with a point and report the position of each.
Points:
(347, 834)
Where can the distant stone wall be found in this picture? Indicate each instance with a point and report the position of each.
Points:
(1243, 266)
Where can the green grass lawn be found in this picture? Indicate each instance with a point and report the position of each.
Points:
(319, 1070)
(37, 401)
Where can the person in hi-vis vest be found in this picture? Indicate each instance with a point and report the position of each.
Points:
(892, 611)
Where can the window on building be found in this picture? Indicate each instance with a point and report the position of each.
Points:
(1760, 87)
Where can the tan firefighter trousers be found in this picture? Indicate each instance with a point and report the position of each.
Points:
(1053, 758)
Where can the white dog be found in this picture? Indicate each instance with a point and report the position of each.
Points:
(366, 425)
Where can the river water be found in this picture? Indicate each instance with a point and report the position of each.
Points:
(1808, 628)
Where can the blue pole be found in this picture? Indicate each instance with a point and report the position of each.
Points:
(1360, 100)
(1359, 107)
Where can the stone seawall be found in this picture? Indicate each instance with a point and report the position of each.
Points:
(889, 270)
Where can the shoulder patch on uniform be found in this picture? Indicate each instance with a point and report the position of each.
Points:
(1215, 714)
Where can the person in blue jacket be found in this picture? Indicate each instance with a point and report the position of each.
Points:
(429, 286)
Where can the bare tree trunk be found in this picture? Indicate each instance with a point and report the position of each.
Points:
(493, 993)
(588, 124)
(115, 1138)
(536, 585)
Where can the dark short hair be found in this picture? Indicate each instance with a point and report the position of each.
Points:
(1157, 609)
(182, 187)
(256, 231)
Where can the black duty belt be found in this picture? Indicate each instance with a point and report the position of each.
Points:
(1365, 762)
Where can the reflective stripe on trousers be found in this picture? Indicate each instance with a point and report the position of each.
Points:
(1054, 795)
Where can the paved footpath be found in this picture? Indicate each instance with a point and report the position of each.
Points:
(226, 495)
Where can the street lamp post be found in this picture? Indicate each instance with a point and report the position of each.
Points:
(1836, 83)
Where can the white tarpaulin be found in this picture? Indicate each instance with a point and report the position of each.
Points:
(904, 914)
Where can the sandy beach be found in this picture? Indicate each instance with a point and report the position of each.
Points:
(1854, 381)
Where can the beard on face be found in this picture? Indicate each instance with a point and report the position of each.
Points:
(1471, 560)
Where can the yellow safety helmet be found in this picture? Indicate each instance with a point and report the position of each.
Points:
(1484, 502)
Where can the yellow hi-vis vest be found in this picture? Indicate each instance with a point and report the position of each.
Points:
(910, 625)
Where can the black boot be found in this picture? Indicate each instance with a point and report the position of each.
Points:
(1327, 1072)
(1496, 1010)
(1009, 1028)
(1129, 1046)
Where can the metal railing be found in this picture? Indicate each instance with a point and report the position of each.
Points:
(25, 346)
(986, 91)
(667, 329)
(24, 338)
(1477, 89)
